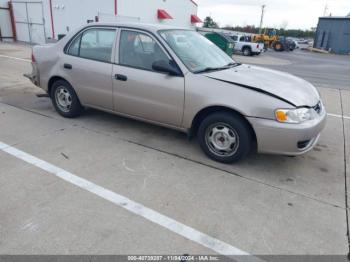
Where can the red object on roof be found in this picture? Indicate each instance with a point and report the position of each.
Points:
(162, 14)
(195, 19)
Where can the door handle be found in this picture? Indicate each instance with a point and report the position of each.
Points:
(120, 77)
(67, 66)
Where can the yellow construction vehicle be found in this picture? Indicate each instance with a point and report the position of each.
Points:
(268, 37)
(271, 40)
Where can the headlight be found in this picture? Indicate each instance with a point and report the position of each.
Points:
(295, 116)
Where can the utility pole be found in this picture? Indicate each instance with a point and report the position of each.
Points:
(262, 18)
(325, 10)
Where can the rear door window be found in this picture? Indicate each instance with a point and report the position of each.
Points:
(95, 44)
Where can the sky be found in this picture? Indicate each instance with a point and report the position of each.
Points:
(289, 14)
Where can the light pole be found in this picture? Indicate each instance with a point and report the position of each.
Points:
(325, 10)
(262, 18)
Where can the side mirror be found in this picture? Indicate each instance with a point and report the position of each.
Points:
(166, 67)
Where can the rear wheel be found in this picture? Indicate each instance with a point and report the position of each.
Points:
(65, 100)
(225, 137)
(247, 51)
(278, 46)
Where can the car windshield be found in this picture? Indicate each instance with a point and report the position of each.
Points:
(196, 51)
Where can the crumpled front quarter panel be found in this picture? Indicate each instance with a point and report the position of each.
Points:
(202, 92)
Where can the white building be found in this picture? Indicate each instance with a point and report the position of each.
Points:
(36, 21)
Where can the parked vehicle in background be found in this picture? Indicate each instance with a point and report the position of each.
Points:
(268, 37)
(271, 40)
(301, 43)
(177, 78)
(244, 44)
(284, 44)
(223, 41)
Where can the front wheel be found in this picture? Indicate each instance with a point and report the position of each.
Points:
(225, 137)
(65, 100)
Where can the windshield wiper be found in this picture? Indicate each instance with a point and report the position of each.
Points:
(209, 69)
(234, 64)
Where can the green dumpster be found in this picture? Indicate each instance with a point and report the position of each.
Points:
(222, 41)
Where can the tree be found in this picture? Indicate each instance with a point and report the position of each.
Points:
(210, 23)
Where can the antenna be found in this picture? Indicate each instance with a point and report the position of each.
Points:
(262, 18)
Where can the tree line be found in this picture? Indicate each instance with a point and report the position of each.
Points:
(298, 33)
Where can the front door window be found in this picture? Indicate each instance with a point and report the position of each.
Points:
(139, 50)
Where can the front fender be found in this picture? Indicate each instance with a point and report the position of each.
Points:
(202, 92)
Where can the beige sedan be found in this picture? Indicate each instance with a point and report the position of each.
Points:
(177, 78)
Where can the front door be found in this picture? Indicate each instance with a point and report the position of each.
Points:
(140, 91)
(88, 66)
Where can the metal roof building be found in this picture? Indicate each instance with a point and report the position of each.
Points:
(333, 34)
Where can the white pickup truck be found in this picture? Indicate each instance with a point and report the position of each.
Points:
(243, 44)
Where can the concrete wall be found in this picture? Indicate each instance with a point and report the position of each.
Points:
(333, 34)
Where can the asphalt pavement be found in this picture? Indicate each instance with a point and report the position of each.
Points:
(323, 70)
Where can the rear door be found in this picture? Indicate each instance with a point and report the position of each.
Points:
(140, 91)
(88, 66)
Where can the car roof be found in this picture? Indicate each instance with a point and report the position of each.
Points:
(138, 25)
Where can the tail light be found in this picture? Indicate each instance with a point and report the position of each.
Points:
(33, 58)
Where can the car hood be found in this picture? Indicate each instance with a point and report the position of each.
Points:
(283, 86)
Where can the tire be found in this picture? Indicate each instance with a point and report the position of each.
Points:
(278, 46)
(225, 137)
(65, 100)
(247, 51)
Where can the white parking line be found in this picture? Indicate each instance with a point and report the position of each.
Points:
(339, 116)
(177, 227)
(16, 58)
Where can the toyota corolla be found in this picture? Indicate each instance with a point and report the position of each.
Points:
(177, 78)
